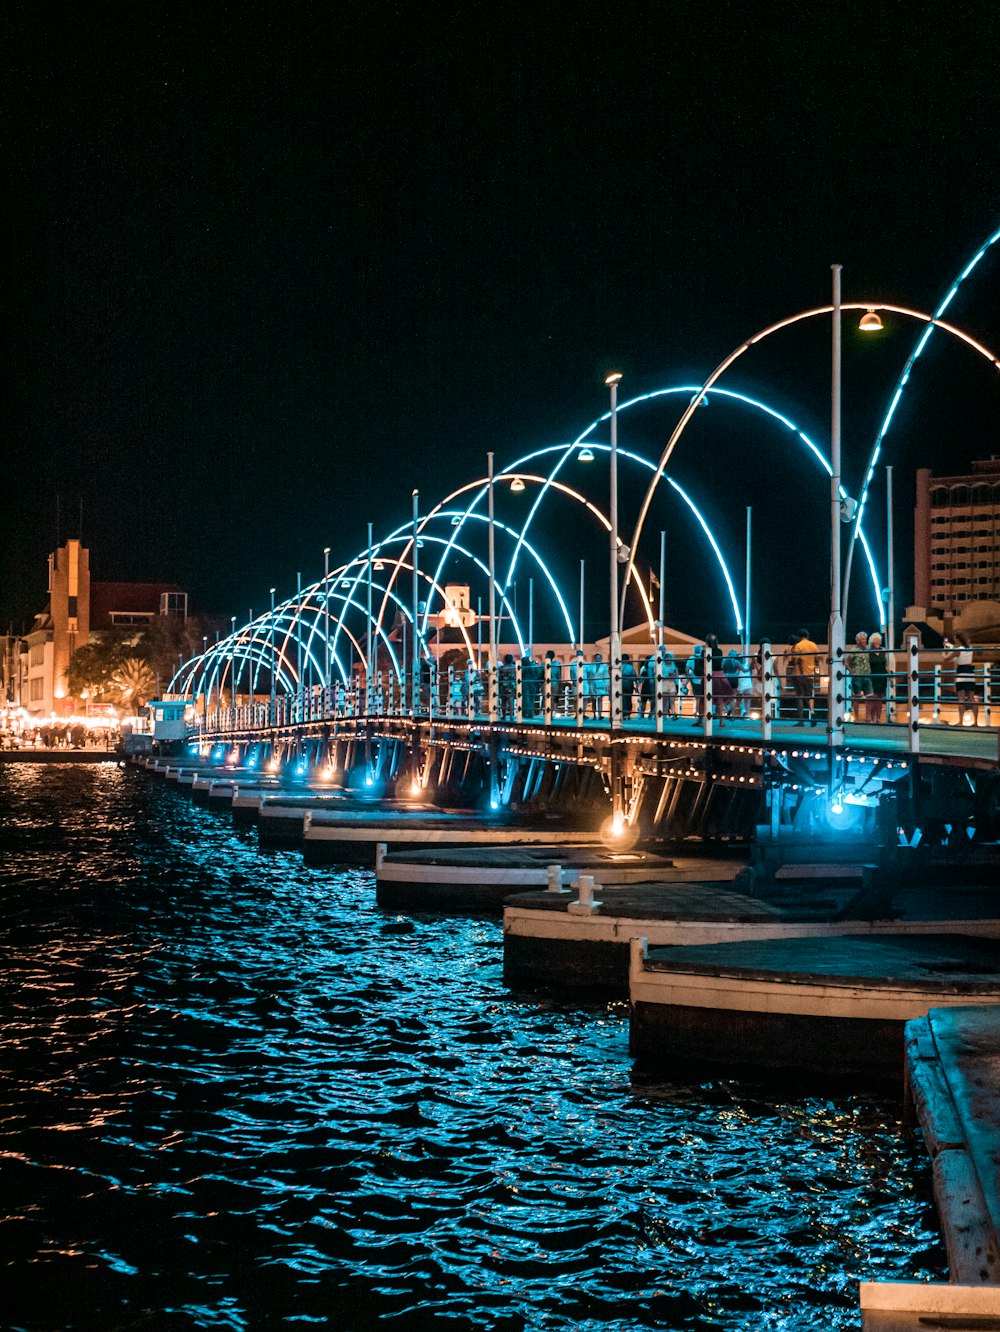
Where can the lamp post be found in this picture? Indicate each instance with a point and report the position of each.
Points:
(492, 681)
(327, 682)
(274, 656)
(415, 683)
(232, 664)
(612, 381)
(250, 661)
(368, 645)
(835, 639)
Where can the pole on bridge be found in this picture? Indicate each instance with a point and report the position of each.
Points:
(663, 568)
(746, 603)
(491, 682)
(615, 640)
(369, 673)
(328, 682)
(582, 572)
(274, 659)
(835, 640)
(891, 606)
(415, 682)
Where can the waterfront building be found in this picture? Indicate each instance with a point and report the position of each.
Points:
(956, 550)
(77, 609)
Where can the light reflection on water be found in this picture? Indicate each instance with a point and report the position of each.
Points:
(236, 1095)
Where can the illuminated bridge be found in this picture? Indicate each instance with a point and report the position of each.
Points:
(394, 668)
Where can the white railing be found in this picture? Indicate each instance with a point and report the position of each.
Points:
(771, 689)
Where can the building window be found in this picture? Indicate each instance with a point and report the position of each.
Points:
(130, 617)
(36, 690)
(175, 604)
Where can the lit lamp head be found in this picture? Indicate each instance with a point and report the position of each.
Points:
(585, 455)
(870, 323)
(612, 378)
(517, 485)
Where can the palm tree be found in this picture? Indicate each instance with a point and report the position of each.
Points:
(133, 682)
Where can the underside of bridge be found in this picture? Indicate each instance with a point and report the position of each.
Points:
(784, 804)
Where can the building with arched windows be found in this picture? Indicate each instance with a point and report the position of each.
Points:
(956, 555)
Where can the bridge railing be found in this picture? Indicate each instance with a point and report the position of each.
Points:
(771, 688)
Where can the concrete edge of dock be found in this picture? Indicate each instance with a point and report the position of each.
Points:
(952, 1079)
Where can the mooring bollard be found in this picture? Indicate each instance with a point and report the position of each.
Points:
(585, 904)
(380, 850)
(554, 883)
(307, 819)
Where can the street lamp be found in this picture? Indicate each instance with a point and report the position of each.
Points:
(612, 381)
(232, 664)
(274, 655)
(835, 638)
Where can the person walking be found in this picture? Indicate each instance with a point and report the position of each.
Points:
(507, 686)
(602, 683)
(731, 670)
(630, 680)
(965, 678)
(696, 666)
(553, 673)
(589, 684)
(722, 690)
(878, 671)
(808, 653)
(647, 685)
(671, 683)
(860, 671)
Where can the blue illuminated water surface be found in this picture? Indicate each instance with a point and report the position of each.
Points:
(237, 1095)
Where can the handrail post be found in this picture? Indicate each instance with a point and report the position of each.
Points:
(706, 694)
(914, 693)
(767, 692)
(658, 698)
(936, 714)
(986, 693)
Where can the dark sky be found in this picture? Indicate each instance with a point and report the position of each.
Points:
(270, 271)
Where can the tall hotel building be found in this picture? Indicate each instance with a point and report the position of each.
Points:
(956, 555)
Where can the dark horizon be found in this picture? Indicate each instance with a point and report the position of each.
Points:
(270, 277)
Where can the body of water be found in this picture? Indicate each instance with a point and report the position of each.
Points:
(235, 1094)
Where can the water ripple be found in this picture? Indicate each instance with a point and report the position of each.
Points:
(234, 1095)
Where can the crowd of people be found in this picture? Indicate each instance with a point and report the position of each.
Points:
(60, 735)
(799, 672)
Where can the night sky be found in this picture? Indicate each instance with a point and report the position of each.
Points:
(271, 270)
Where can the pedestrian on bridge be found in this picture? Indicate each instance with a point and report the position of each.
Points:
(878, 670)
(508, 686)
(553, 673)
(860, 670)
(965, 678)
(808, 656)
(630, 680)
(695, 670)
